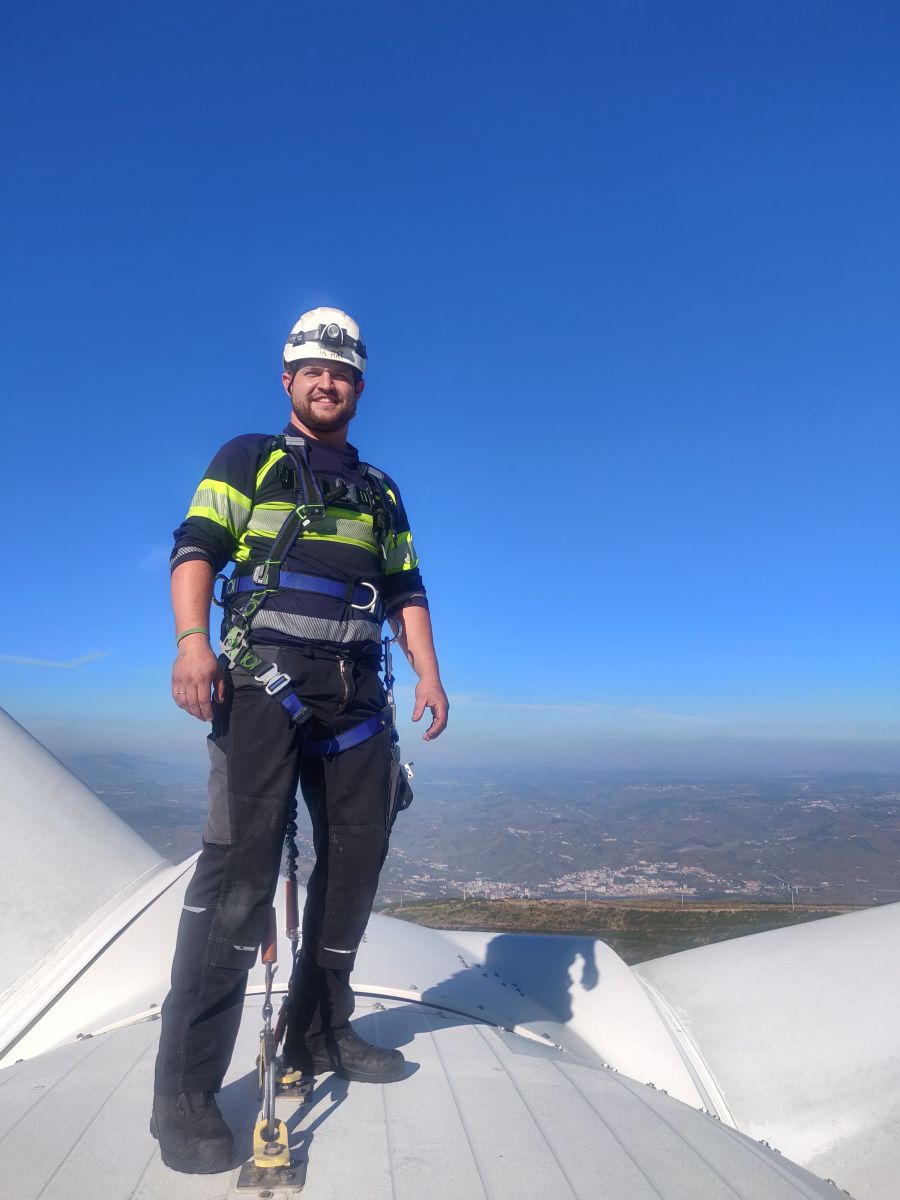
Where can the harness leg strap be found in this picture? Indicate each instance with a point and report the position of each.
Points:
(326, 747)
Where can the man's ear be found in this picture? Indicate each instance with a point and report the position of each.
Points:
(360, 385)
(286, 380)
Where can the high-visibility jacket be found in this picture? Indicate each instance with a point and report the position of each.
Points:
(241, 503)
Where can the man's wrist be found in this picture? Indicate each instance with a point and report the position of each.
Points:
(192, 634)
(431, 677)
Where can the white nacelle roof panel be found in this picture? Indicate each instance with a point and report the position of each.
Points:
(792, 1036)
(483, 1114)
(800, 1029)
(64, 857)
(571, 992)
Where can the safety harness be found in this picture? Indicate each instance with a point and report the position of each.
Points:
(261, 581)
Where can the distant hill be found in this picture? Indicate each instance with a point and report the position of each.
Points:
(617, 834)
(508, 833)
(163, 802)
(636, 931)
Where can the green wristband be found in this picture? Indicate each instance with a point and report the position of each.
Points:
(187, 633)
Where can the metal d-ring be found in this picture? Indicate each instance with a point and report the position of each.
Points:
(219, 600)
(370, 607)
(392, 621)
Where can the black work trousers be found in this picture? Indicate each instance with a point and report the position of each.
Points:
(256, 762)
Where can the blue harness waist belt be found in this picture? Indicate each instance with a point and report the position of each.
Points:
(277, 683)
(362, 596)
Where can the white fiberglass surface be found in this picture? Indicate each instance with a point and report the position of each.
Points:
(799, 1029)
(481, 1113)
(63, 855)
(572, 992)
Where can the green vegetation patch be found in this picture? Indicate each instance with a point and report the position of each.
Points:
(637, 932)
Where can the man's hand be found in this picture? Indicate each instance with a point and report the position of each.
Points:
(195, 673)
(430, 694)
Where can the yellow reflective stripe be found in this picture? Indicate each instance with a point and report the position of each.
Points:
(221, 503)
(324, 530)
(267, 466)
(319, 537)
(200, 510)
(225, 489)
(347, 514)
(400, 554)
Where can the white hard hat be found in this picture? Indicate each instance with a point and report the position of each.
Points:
(325, 333)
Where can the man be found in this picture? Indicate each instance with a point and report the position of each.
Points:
(322, 552)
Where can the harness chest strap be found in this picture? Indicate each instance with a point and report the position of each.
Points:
(310, 505)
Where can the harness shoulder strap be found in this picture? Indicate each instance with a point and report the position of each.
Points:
(384, 506)
(310, 506)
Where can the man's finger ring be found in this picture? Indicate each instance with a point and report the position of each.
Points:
(181, 693)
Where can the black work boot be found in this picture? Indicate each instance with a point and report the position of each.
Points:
(193, 1136)
(351, 1057)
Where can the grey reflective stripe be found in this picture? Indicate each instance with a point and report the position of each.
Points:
(183, 550)
(245, 947)
(316, 629)
(404, 598)
(268, 521)
(346, 527)
(331, 950)
(233, 513)
(190, 908)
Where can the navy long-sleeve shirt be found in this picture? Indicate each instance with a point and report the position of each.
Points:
(239, 507)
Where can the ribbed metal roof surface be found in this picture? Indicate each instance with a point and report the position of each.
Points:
(485, 1113)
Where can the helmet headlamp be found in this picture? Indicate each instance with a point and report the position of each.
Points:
(326, 333)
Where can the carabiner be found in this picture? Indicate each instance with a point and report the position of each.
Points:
(370, 607)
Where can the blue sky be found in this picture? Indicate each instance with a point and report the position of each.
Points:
(629, 275)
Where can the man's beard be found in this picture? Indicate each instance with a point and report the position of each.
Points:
(303, 409)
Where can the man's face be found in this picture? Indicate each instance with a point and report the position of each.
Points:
(323, 394)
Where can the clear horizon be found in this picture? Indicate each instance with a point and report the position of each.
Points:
(712, 754)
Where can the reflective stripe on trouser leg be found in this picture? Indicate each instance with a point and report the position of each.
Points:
(249, 879)
(223, 921)
(228, 898)
(190, 1056)
(347, 800)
